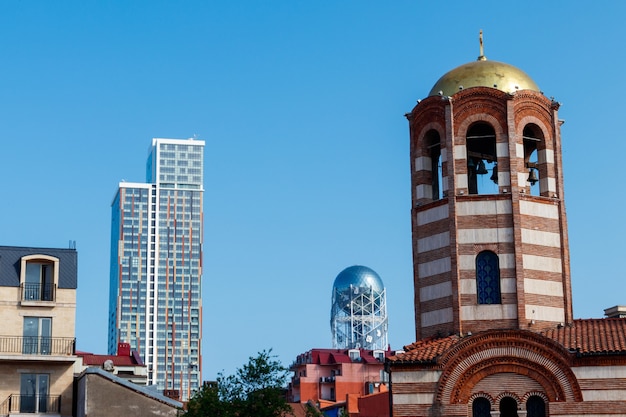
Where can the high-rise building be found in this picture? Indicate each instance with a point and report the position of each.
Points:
(155, 299)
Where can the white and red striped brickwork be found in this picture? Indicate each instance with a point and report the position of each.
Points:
(520, 353)
(526, 232)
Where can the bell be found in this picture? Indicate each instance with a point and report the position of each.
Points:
(494, 174)
(532, 177)
(481, 170)
(470, 163)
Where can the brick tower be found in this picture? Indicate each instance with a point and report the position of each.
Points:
(490, 248)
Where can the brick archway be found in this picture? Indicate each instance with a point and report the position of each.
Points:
(513, 351)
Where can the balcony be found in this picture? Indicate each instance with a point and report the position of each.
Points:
(37, 294)
(57, 346)
(31, 404)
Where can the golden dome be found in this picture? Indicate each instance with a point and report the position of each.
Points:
(483, 73)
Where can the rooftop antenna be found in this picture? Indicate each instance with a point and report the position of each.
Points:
(482, 56)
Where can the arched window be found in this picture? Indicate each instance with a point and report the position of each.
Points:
(38, 278)
(508, 407)
(533, 137)
(481, 407)
(488, 278)
(481, 158)
(433, 143)
(535, 406)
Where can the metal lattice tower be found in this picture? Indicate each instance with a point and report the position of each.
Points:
(358, 317)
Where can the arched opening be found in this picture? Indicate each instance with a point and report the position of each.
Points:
(488, 278)
(535, 406)
(508, 407)
(481, 407)
(481, 159)
(433, 150)
(533, 138)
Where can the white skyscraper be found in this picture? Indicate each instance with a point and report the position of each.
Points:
(155, 299)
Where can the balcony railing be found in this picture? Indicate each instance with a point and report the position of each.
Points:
(37, 345)
(37, 292)
(31, 404)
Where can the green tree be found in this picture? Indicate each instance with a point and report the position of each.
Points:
(311, 410)
(256, 390)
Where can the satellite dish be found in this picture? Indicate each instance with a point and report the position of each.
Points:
(108, 365)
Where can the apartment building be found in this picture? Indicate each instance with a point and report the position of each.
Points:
(37, 336)
(155, 300)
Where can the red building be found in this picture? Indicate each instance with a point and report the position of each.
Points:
(327, 377)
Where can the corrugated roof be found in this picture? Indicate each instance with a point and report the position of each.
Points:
(147, 391)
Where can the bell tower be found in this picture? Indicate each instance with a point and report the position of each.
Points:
(490, 247)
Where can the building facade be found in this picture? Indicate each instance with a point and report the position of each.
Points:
(328, 376)
(155, 300)
(37, 341)
(493, 312)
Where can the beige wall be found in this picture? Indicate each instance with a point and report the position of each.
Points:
(101, 397)
(60, 373)
(62, 312)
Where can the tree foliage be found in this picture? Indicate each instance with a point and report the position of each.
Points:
(255, 390)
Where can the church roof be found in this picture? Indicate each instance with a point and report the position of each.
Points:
(483, 73)
(592, 336)
(585, 337)
(426, 350)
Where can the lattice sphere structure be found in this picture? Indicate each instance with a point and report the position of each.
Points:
(358, 317)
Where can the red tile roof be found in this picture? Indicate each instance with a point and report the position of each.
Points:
(299, 410)
(425, 350)
(334, 356)
(98, 360)
(583, 336)
(591, 336)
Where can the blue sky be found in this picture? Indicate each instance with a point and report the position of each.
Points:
(301, 106)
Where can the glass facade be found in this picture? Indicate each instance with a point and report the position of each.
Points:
(156, 266)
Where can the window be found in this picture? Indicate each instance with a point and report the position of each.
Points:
(355, 355)
(39, 282)
(508, 407)
(488, 278)
(481, 156)
(38, 277)
(535, 407)
(481, 407)
(533, 138)
(37, 335)
(433, 142)
(34, 393)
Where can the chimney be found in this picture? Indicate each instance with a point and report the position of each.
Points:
(617, 312)
(123, 349)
